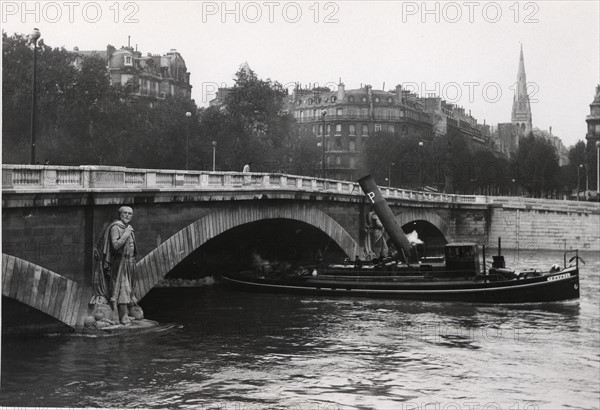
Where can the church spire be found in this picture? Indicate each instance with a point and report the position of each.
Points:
(521, 110)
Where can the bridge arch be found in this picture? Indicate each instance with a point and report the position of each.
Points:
(155, 265)
(420, 214)
(55, 295)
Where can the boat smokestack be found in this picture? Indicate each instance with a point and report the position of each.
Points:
(386, 216)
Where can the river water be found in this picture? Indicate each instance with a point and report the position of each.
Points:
(228, 349)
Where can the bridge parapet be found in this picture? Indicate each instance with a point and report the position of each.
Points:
(53, 178)
(542, 204)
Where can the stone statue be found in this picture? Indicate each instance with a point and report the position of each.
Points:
(377, 242)
(112, 282)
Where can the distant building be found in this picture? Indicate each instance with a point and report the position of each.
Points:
(508, 140)
(561, 150)
(521, 109)
(447, 117)
(593, 120)
(156, 75)
(351, 116)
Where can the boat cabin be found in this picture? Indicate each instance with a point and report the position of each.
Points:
(462, 256)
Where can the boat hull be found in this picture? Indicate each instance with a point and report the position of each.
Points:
(563, 285)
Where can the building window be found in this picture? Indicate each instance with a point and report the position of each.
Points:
(352, 112)
(338, 112)
(338, 129)
(333, 99)
(377, 127)
(328, 129)
(365, 130)
(391, 129)
(352, 162)
(352, 145)
(376, 99)
(321, 129)
(390, 100)
(128, 60)
(338, 160)
(364, 99)
(352, 129)
(351, 99)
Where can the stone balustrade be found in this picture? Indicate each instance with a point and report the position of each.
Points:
(47, 178)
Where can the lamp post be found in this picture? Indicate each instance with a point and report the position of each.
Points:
(390, 174)
(587, 181)
(598, 170)
(214, 145)
(514, 187)
(34, 36)
(578, 169)
(420, 164)
(323, 114)
(187, 140)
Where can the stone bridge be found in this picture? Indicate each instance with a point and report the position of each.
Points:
(53, 215)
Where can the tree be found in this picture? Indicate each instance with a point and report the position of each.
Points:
(253, 125)
(384, 149)
(55, 75)
(83, 119)
(535, 165)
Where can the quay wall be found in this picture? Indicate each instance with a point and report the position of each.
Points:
(525, 224)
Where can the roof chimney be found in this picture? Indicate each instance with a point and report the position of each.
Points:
(399, 93)
(341, 91)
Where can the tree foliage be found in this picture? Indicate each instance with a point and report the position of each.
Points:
(535, 166)
(445, 163)
(253, 125)
(82, 119)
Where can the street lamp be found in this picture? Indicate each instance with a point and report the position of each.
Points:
(389, 178)
(578, 169)
(34, 36)
(514, 189)
(323, 114)
(587, 181)
(214, 145)
(187, 140)
(420, 166)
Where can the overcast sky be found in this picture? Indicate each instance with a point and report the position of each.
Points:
(466, 52)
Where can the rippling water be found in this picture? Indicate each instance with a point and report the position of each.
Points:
(234, 350)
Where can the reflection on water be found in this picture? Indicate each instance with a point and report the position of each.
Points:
(233, 349)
